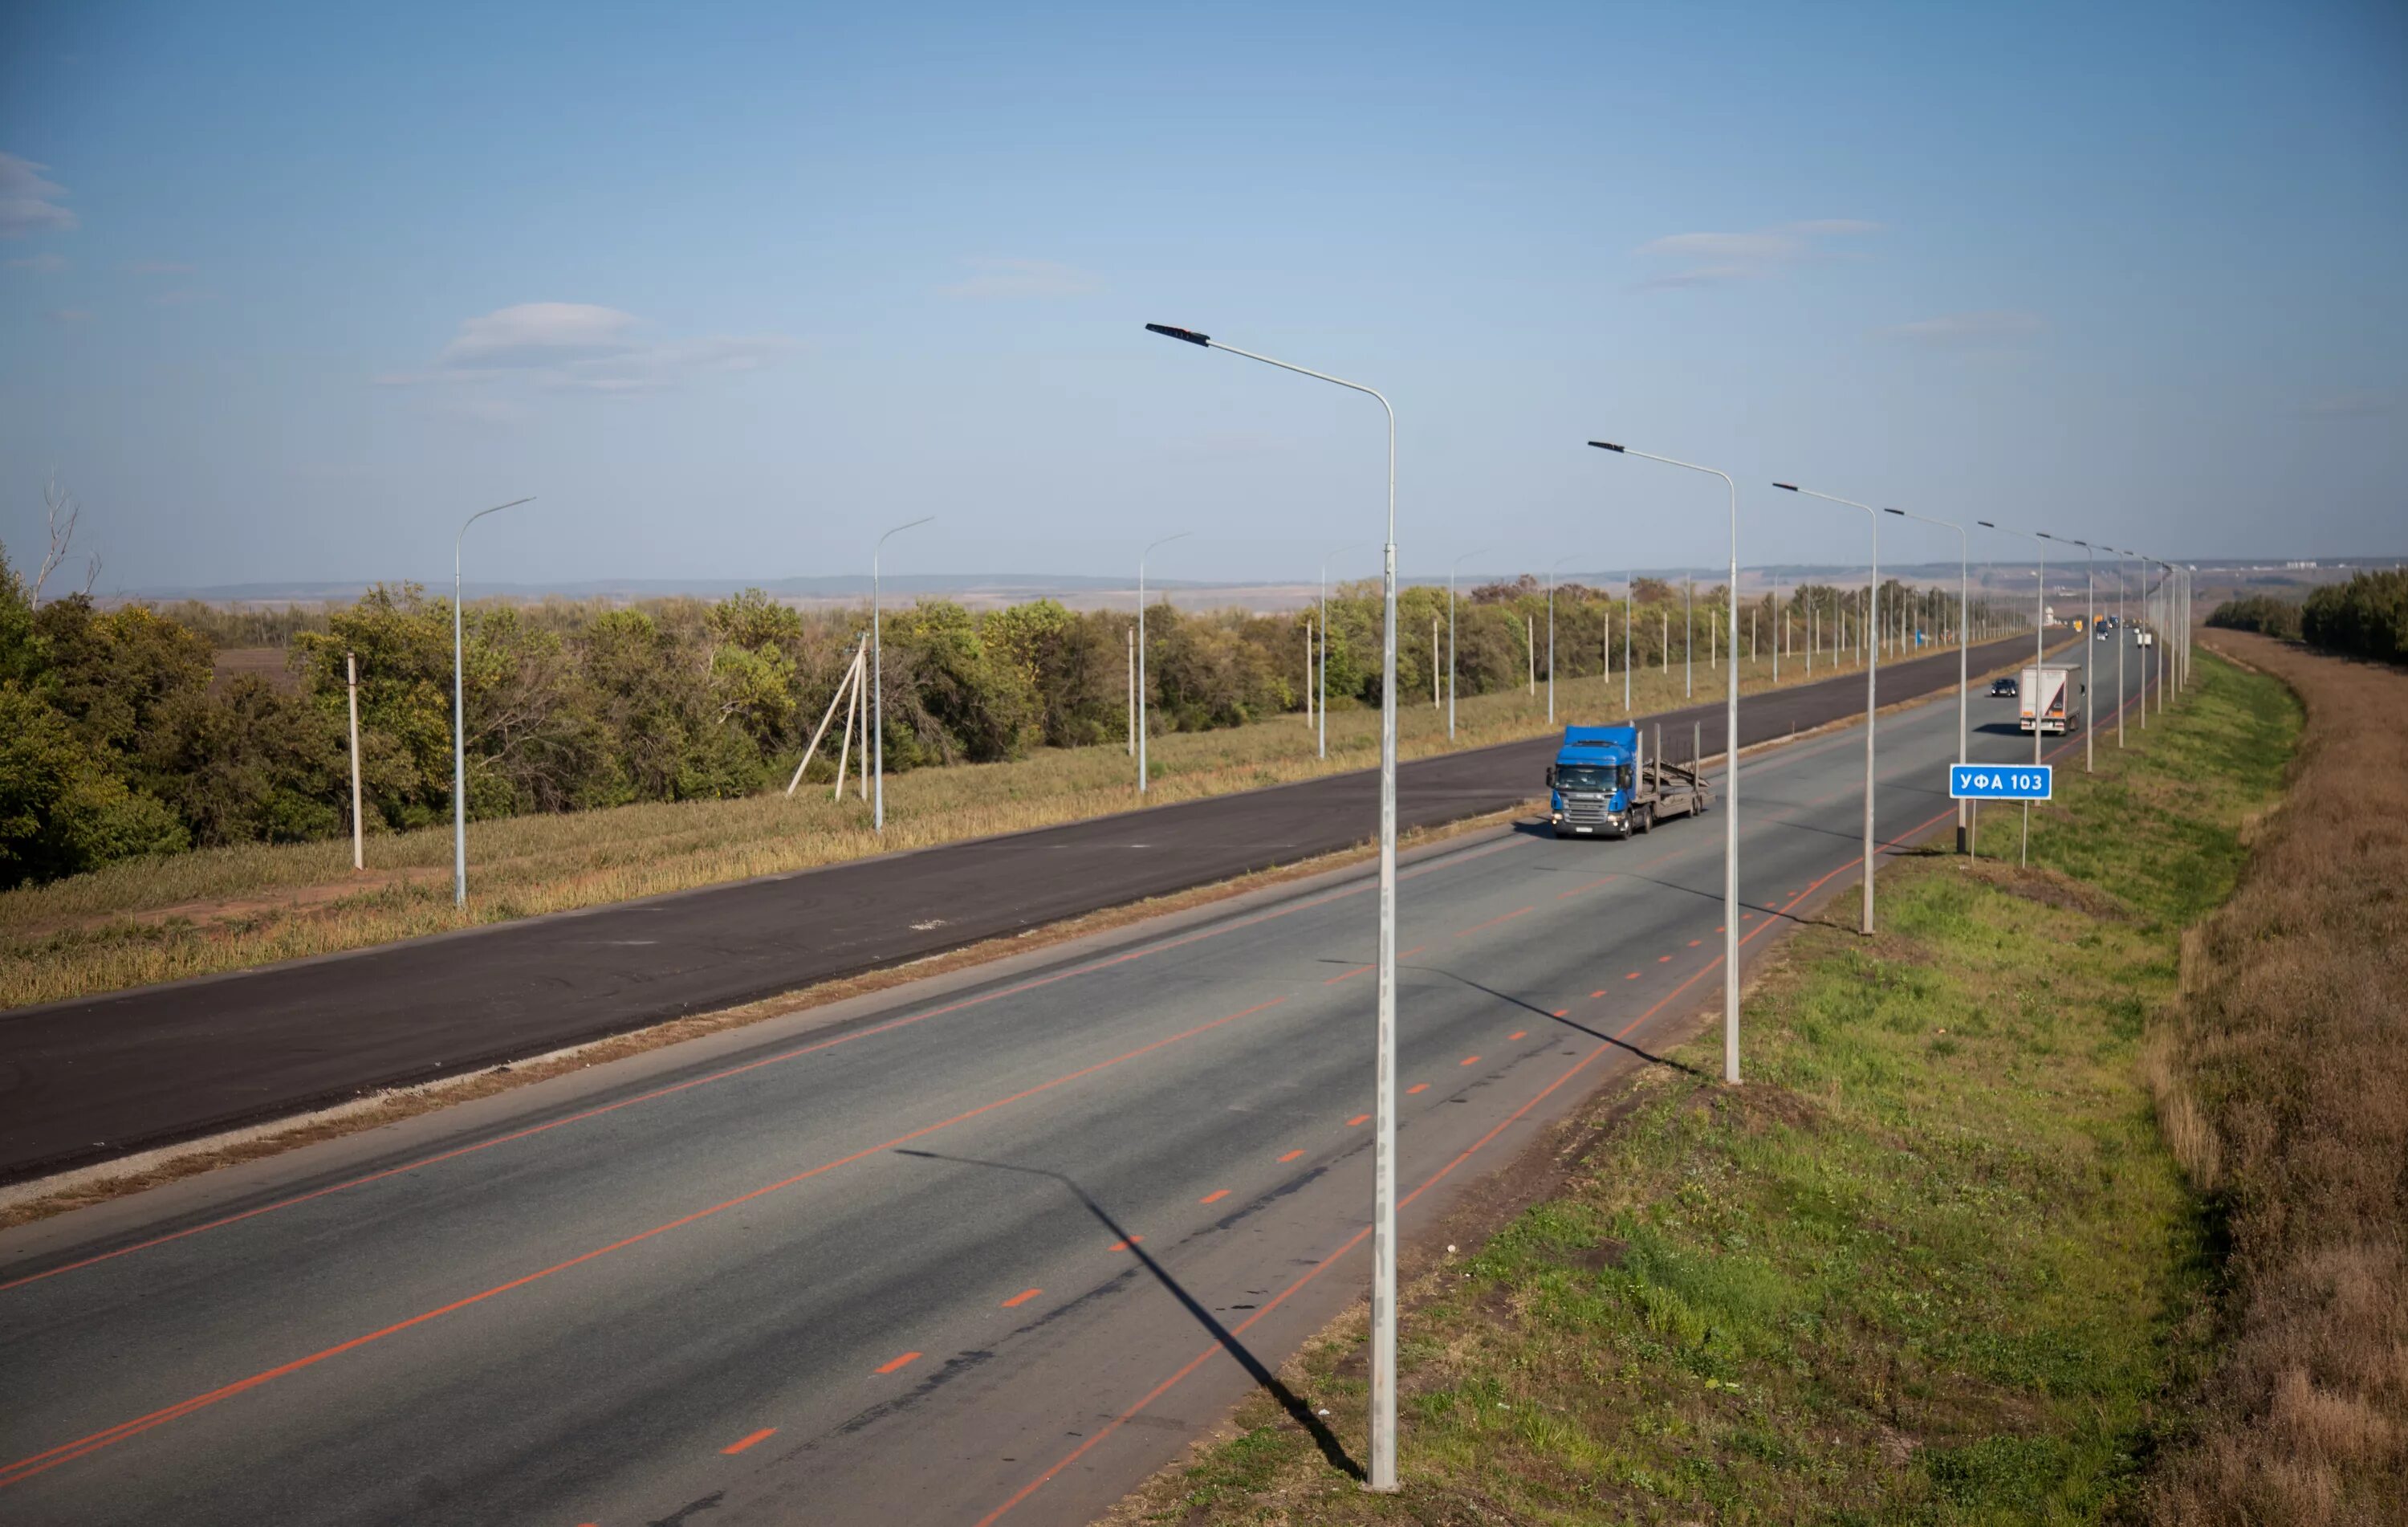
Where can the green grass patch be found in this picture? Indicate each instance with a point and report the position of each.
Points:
(1933, 1264)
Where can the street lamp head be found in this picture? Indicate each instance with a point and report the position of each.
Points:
(1791, 486)
(1899, 512)
(1607, 445)
(1987, 525)
(1189, 334)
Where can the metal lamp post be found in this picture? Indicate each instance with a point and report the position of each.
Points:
(1381, 1474)
(2089, 634)
(878, 679)
(1141, 649)
(1964, 642)
(2040, 648)
(1322, 722)
(1872, 668)
(1451, 570)
(1730, 785)
(1629, 614)
(460, 719)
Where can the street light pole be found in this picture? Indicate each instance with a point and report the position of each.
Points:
(1324, 717)
(2089, 634)
(878, 679)
(459, 721)
(1629, 614)
(1450, 668)
(1872, 667)
(1730, 785)
(1963, 643)
(1381, 1474)
(2039, 640)
(1141, 652)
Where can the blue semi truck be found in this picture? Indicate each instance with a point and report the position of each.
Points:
(1606, 780)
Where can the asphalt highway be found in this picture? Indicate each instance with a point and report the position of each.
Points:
(101, 1077)
(986, 1247)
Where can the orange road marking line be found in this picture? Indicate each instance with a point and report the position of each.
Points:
(1599, 992)
(1356, 1119)
(1694, 942)
(1348, 976)
(1663, 959)
(762, 1436)
(1412, 952)
(1522, 1034)
(1417, 1087)
(1590, 886)
(1215, 1196)
(1123, 1245)
(904, 1361)
(1632, 976)
(1469, 1061)
(1290, 1156)
(1494, 921)
(25, 1468)
(1023, 1297)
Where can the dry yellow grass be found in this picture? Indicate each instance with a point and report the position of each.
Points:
(231, 908)
(2283, 1086)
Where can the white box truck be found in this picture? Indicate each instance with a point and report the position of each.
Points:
(2044, 697)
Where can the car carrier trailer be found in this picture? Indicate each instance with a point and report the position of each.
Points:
(1609, 782)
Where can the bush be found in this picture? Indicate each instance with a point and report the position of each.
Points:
(2259, 612)
(2366, 617)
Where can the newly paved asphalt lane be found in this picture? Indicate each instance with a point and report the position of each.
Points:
(103, 1076)
(987, 1247)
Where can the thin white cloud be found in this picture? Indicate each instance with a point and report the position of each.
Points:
(1969, 331)
(1715, 259)
(48, 265)
(29, 204)
(578, 347)
(993, 279)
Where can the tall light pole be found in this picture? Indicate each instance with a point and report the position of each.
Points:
(1629, 614)
(1873, 666)
(1381, 1474)
(1551, 635)
(2165, 626)
(1730, 785)
(878, 677)
(1688, 637)
(2123, 640)
(460, 719)
(2089, 634)
(2039, 640)
(1324, 720)
(1141, 649)
(1451, 670)
(1964, 641)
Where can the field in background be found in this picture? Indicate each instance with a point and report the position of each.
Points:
(1934, 1262)
(229, 908)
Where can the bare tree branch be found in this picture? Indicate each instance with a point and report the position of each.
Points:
(59, 508)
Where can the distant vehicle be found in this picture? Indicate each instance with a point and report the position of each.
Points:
(2044, 694)
(2002, 690)
(2143, 637)
(1603, 781)
(2106, 635)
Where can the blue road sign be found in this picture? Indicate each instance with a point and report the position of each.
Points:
(1999, 782)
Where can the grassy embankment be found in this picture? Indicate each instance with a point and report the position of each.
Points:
(1932, 1262)
(2284, 1086)
(227, 909)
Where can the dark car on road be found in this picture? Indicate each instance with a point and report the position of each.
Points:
(2002, 690)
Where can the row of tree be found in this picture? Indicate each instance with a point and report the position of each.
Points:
(2366, 617)
(118, 739)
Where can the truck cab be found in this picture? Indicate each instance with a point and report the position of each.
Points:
(1591, 783)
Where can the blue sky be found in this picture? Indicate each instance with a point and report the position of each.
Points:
(286, 292)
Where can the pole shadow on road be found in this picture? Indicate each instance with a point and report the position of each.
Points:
(1301, 1413)
(1548, 1013)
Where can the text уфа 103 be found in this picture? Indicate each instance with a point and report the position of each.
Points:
(2000, 782)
